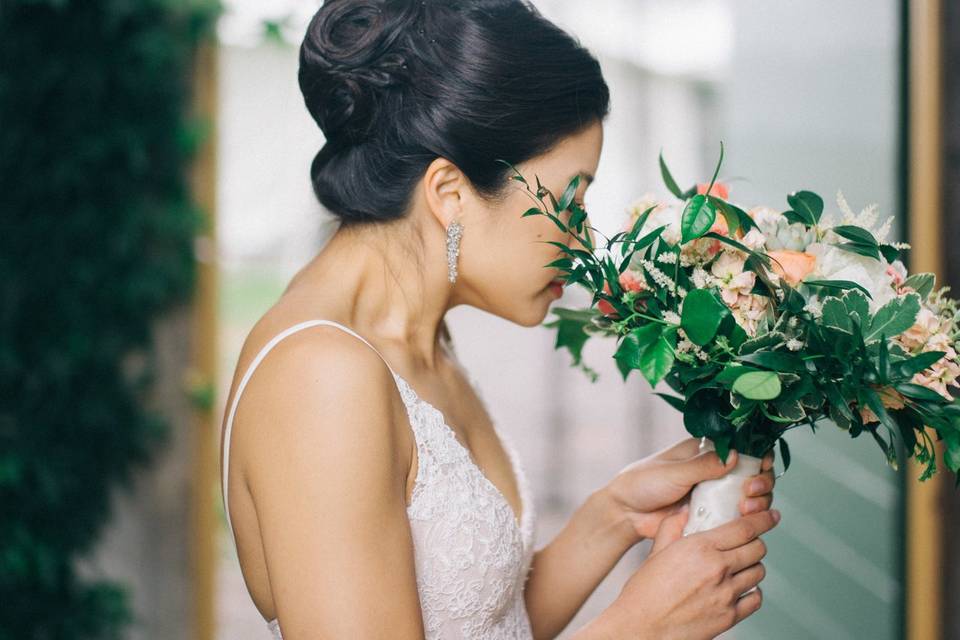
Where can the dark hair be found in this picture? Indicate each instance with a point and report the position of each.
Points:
(393, 84)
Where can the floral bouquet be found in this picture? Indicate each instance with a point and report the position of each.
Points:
(762, 321)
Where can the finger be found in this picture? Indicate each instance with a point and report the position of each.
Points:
(748, 604)
(767, 461)
(748, 578)
(748, 555)
(742, 530)
(704, 466)
(752, 505)
(685, 448)
(670, 530)
(759, 484)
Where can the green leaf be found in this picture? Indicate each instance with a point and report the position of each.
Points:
(858, 307)
(731, 372)
(568, 193)
(792, 410)
(869, 251)
(922, 283)
(631, 352)
(908, 368)
(657, 359)
(701, 315)
(894, 318)
(889, 252)
(951, 453)
(758, 385)
(716, 171)
(785, 454)
(918, 392)
(674, 401)
(702, 416)
(698, 216)
(776, 360)
(835, 314)
(668, 178)
(807, 204)
(856, 234)
(837, 284)
(570, 333)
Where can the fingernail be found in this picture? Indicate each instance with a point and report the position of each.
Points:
(776, 515)
(756, 486)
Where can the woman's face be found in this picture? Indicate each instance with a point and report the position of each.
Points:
(502, 253)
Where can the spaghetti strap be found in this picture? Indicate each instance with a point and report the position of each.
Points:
(246, 378)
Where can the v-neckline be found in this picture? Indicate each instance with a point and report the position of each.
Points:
(518, 522)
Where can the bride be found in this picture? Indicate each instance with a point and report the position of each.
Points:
(367, 492)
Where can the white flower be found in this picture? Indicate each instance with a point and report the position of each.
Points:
(671, 317)
(765, 216)
(867, 218)
(753, 239)
(667, 257)
(836, 264)
(658, 276)
(664, 214)
(700, 278)
(814, 307)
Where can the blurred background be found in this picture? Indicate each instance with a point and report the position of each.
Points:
(155, 197)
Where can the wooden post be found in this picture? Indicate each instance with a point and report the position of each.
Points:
(204, 352)
(924, 557)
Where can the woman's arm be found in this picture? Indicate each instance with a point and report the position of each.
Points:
(566, 571)
(327, 483)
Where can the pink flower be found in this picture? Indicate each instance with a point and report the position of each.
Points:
(917, 336)
(748, 310)
(732, 279)
(897, 273)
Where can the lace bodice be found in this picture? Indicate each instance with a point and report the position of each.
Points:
(472, 554)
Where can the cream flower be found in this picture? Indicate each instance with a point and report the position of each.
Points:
(836, 264)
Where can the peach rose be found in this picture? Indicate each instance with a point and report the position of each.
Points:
(889, 398)
(630, 281)
(792, 266)
(605, 307)
(718, 189)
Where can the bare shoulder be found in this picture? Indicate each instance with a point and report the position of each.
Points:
(316, 376)
(326, 471)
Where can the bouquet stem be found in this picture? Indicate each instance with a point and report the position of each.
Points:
(715, 502)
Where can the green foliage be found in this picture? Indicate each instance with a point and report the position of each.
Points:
(748, 392)
(97, 241)
(701, 316)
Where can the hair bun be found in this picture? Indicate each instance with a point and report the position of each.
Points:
(346, 62)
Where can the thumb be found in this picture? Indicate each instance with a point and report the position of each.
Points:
(703, 466)
(670, 530)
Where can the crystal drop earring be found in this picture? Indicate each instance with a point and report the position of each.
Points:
(454, 233)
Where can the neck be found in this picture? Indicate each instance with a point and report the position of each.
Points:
(398, 289)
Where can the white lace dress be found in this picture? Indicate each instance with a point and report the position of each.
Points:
(472, 555)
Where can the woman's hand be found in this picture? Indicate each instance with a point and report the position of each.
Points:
(693, 587)
(648, 490)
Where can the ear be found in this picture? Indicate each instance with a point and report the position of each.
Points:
(444, 188)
